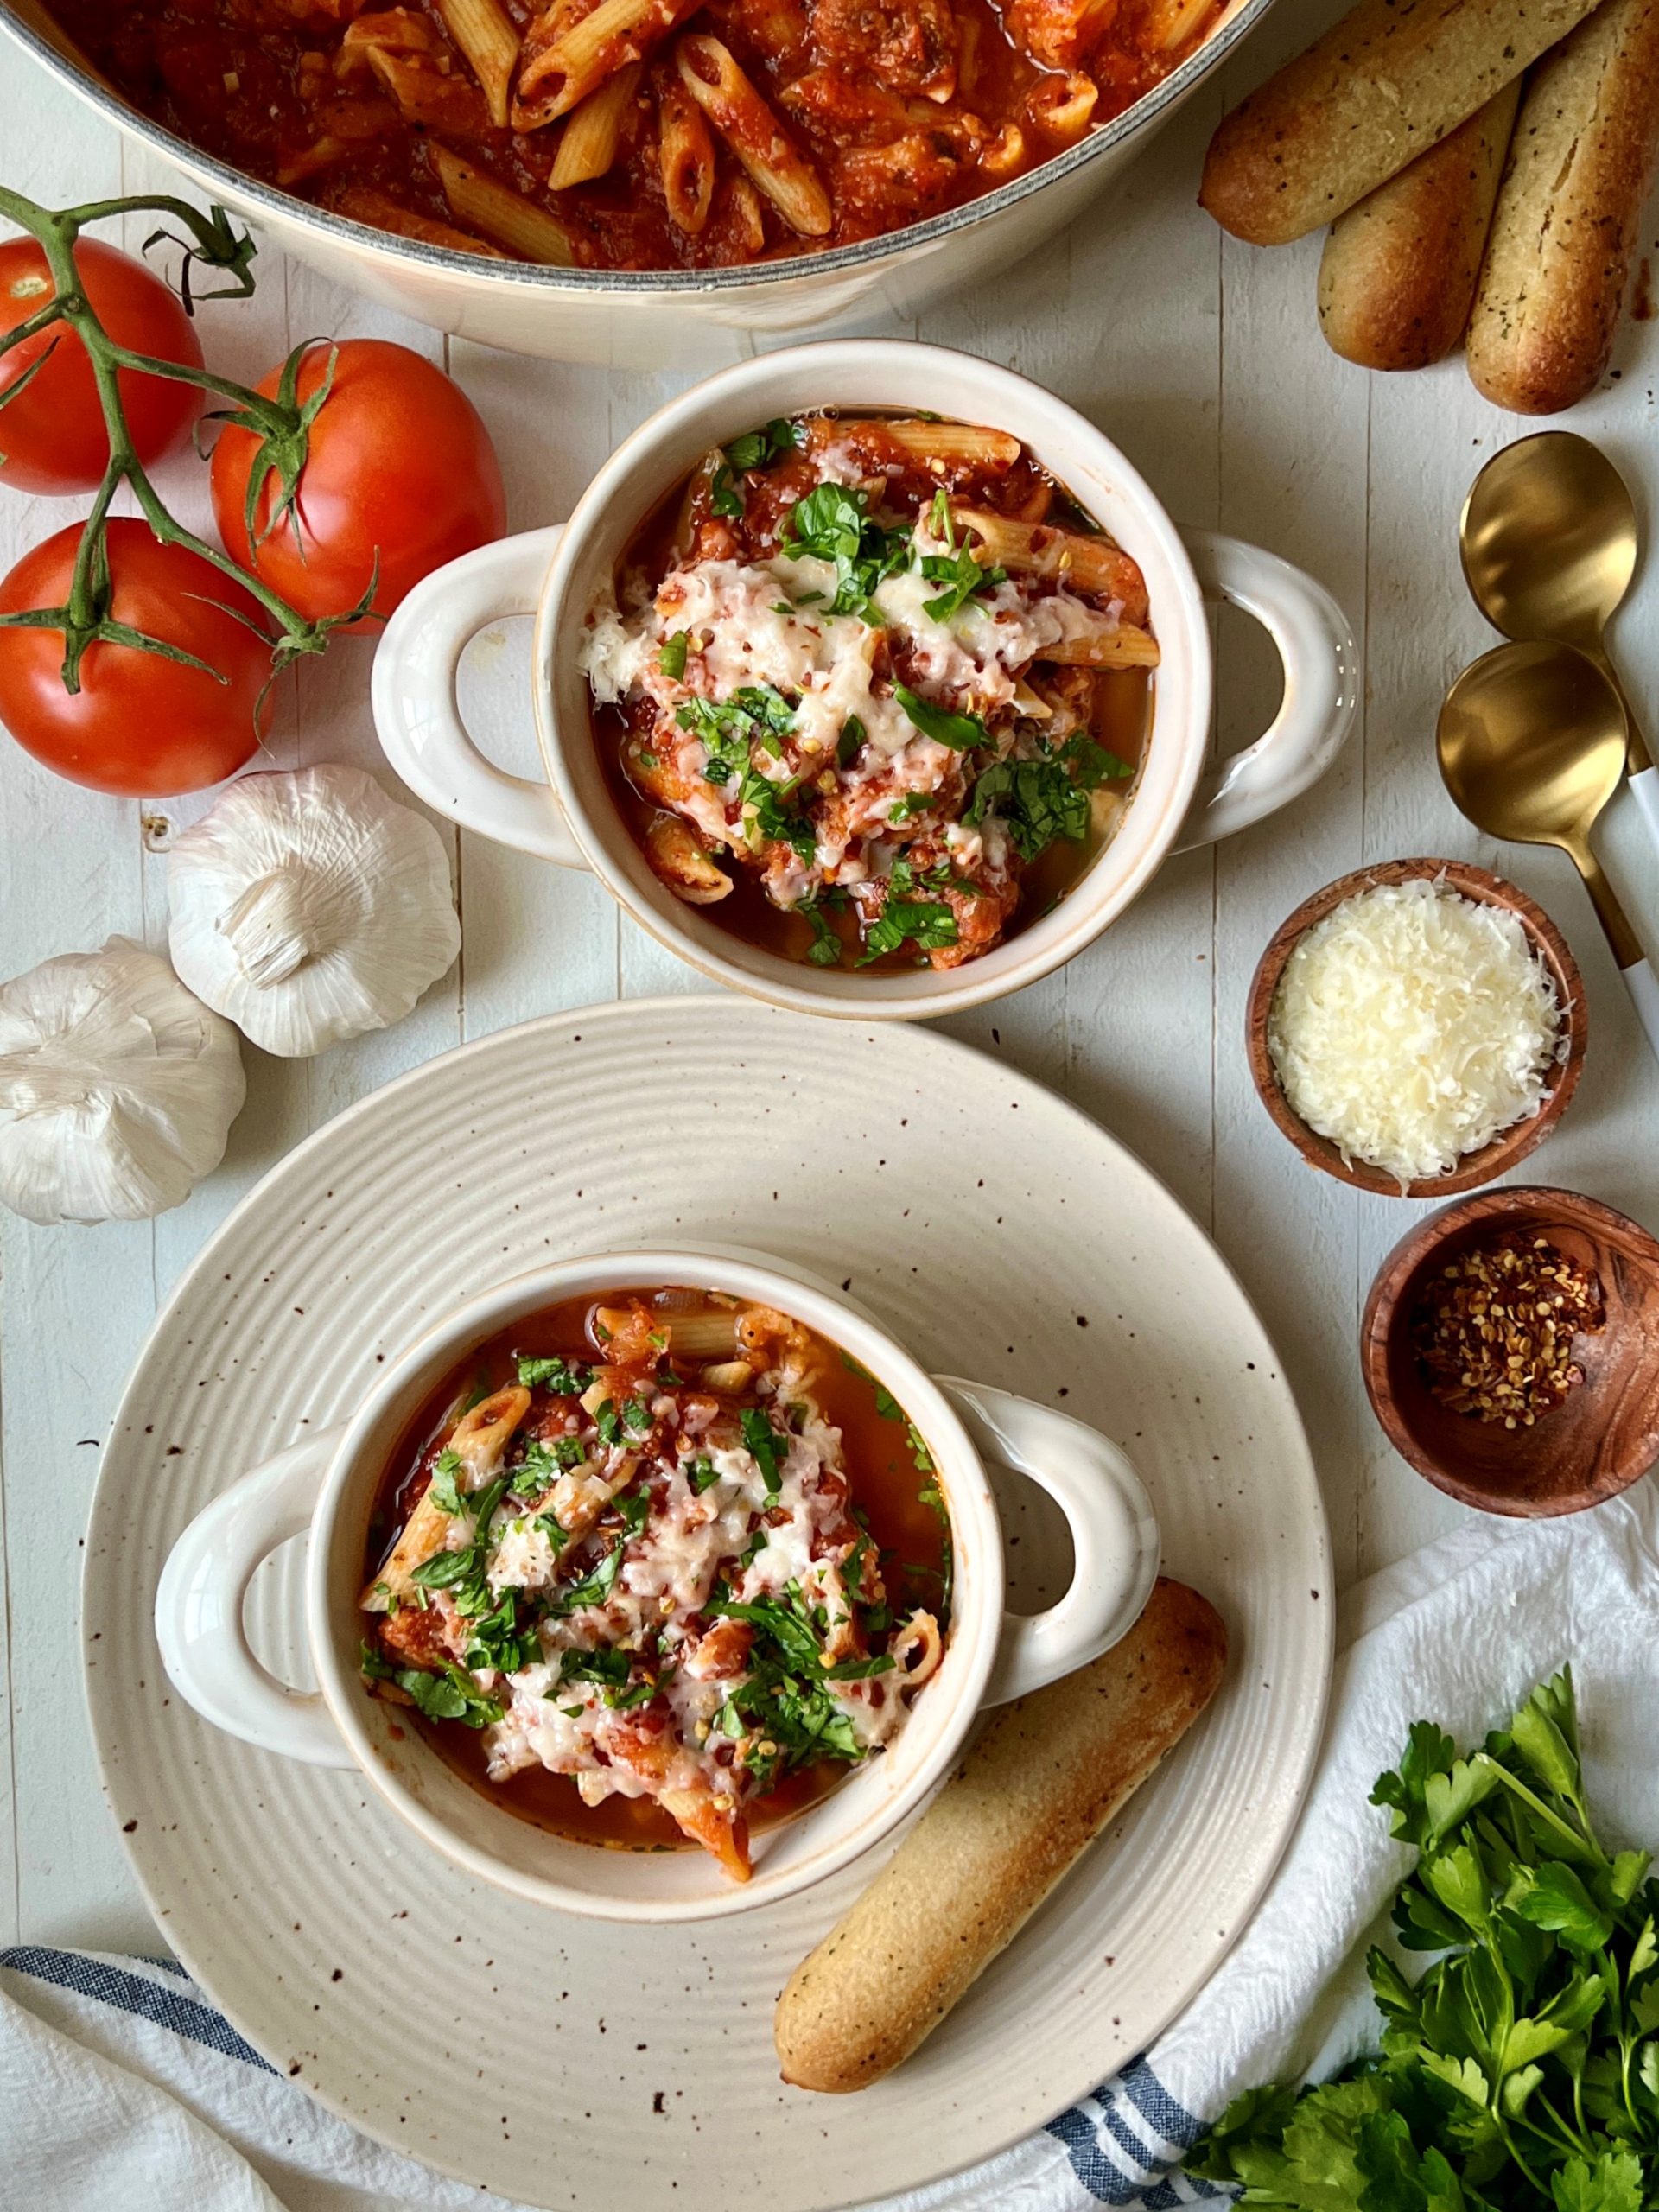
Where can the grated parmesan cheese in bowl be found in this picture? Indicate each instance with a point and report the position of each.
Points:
(1412, 1026)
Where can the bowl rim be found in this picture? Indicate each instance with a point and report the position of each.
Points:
(1510, 1146)
(338, 1520)
(841, 260)
(1180, 694)
(1385, 1312)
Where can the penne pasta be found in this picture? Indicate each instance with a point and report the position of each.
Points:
(1170, 24)
(362, 204)
(686, 152)
(1059, 107)
(479, 1441)
(1006, 154)
(580, 55)
(772, 162)
(1092, 564)
(426, 97)
(1115, 645)
(749, 222)
(588, 142)
(487, 37)
(502, 214)
(963, 441)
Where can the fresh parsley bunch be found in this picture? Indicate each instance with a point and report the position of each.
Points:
(1522, 2070)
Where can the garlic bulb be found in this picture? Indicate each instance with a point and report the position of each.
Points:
(117, 1089)
(310, 907)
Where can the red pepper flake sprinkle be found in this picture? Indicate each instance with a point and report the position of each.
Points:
(1496, 1329)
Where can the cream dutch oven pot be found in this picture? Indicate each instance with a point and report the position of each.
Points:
(661, 318)
(555, 573)
(327, 1485)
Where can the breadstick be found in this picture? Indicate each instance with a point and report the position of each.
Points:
(1040, 1782)
(1568, 211)
(1387, 82)
(1399, 272)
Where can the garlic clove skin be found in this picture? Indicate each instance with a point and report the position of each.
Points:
(117, 1089)
(309, 907)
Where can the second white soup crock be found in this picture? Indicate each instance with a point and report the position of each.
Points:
(326, 1487)
(555, 573)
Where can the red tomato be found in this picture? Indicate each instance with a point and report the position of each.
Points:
(52, 436)
(399, 466)
(140, 724)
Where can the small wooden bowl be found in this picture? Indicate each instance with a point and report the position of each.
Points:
(1601, 1438)
(1512, 1145)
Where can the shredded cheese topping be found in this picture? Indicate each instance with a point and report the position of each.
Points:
(1412, 1026)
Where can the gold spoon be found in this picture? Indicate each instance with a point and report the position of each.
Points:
(1532, 742)
(1549, 542)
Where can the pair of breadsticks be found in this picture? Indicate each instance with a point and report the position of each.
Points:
(1465, 201)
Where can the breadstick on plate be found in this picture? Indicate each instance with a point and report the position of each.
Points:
(1387, 83)
(1568, 213)
(1399, 273)
(1033, 1791)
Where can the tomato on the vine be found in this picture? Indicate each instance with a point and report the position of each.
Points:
(398, 470)
(141, 724)
(51, 434)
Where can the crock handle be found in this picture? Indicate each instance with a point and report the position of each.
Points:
(417, 715)
(1322, 687)
(199, 1609)
(1114, 1534)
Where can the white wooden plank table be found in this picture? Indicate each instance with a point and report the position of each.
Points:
(1202, 358)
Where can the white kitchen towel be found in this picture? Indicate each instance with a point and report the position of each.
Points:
(122, 2090)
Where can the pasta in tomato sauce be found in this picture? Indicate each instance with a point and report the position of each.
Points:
(636, 134)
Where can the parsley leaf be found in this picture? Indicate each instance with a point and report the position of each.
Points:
(1512, 2073)
(702, 1474)
(672, 655)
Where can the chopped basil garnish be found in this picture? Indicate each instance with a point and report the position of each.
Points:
(671, 656)
(924, 922)
(442, 1490)
(702, 1474)
(762, 1442)
(566, 1378)
(756, 448)
(833, 524)
(1040, 800)
(963, 732)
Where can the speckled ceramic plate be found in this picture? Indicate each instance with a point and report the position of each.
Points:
(1001, 1234)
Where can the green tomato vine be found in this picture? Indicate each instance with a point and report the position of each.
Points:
(210, 242)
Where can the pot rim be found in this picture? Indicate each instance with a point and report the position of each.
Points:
(865, 254)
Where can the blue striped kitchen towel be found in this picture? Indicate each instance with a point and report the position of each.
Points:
(122, 2089)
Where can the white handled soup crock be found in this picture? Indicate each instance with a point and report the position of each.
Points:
(555, 573)
(327, 1486)
(661, 318)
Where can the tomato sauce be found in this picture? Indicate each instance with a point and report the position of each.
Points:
(903, 111)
